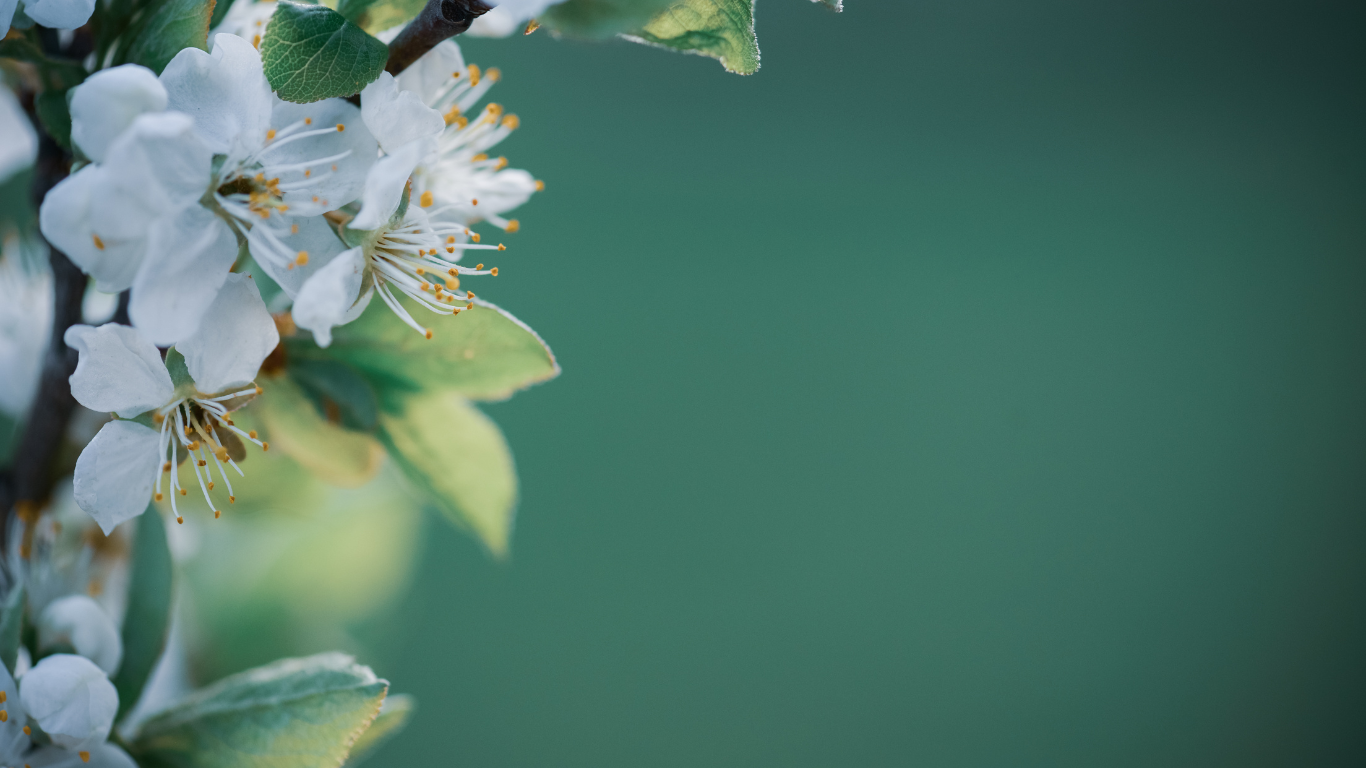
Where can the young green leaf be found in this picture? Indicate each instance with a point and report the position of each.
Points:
(393, 717)
(155, 39)
(52, 110)
(458, 456)
(339, 393)
(722, 29)
(311, 52)
(149, 609)
(12, 625)
(483, 353)
(293, 424)
(295, 713)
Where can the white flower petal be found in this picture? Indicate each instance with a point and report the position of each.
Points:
(431, 75)
(396, 118)
(68, 220)
(330, 297)
(20, 147)
(7, 8)
(13, 742)
(60, 14)
(456, 184)
(80, 622)
(233, 339)
(116, 472)
(324, 189)
(160, 162)
(118, 371)
(105, 105)
(384, 185)
(72, 700)
(25, 322)
(315, 237)
(188, 257)
(225, 92)
(104, 755)
(247, 19)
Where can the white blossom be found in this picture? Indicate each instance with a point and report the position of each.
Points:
(20, 147)
(71, 699)
(121, 372)
(57, 14)
(508, 16)
(25, 320)
(80, 622)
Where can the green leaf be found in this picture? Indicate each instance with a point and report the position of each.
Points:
(149, 609)
(393, 717)
(179, 370)
(601, 18)
(16, 203)
(12, 626)
(458, 456)
(56, 118)
(338, 392)
(295, 713)
(379, 15)
(483, 353)
(156, 38)
(311, 52)
(721, 29)
(221, 8)
(292, 424)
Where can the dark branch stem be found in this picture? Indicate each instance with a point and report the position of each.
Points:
(441, 19)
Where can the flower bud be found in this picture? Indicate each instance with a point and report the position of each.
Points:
(80, 622)
(72, 700)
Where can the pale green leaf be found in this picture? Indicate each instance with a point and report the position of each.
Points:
(149, 608)
(483, 353)
(393, 717)
(601, 18)
(291, 423)
(154, 39)
(295, 713)
(378, 15)
(721, 29)
(311, 52)
(458, 456)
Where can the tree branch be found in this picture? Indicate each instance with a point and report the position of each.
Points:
(441, 19)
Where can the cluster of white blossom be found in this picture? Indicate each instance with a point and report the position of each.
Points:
(200, 178)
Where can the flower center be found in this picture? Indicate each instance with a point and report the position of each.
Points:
(199, 428)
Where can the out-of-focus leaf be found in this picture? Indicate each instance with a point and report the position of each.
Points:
(165, 30)
(149, 609)
(9, 432)
(16, 203)
(52, 110)
(221, 8)
(482, 353)
(721, 29)
(311, 52)
(378, 15)
(393, 717)
(291, 423)
(295, 713)
(458, 456)
(339, 392)
(12, 625)
(601, 18)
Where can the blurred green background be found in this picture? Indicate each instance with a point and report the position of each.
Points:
(979, 384)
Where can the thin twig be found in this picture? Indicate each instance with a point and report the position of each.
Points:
(441, 19)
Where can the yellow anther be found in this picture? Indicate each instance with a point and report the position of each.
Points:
(28, 731)
(452, 272)
(452, 283)
(453, 116)
(252, 434)
(315, 198)
(166, 467)
(494, 272)
(99, 244)
(513, 226)
(511, 122)
(540, 185)
(475, 201)
(265, 446)
(4, 716)
(193, 446)
(85, 756)
(158, 497)
(308, 121)
(232, 499)
(425, 199)
(4, 697)
(478, 266)
(494, 74)
(302, 258)
(340, 127)
(469, 294)
(293, 229)
(420, 271)
(261, 178)
(474, 74)
(256, 41)
(258, 389)
(450, 249)
(429, 333)
(474, 237)
(270, 134)
(178, 519)
(502, 247)
(479, 158)
(501, 164)
(217, 513)
(494, 110)
(334, 166)
(221, 453)
(210, 482)
(183, 491)
(202, 462)
(308, 172)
